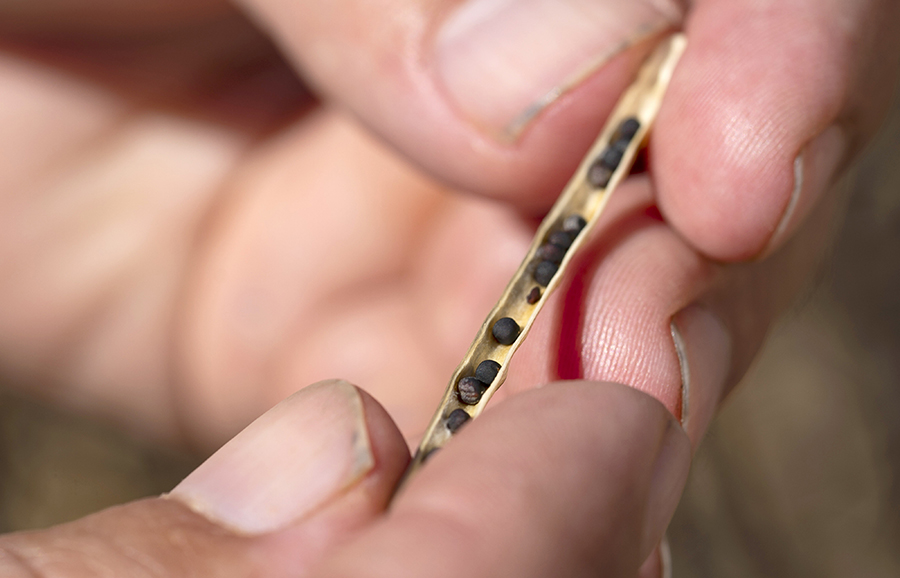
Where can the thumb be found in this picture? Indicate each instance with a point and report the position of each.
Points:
(270, 502)
(466, 88)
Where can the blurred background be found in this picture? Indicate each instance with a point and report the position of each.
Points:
(797, 477)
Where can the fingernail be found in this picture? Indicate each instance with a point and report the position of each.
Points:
(287, 463)
(503, 61)
(814, 172)
(670, 473)
(659, 563)
(703, 346)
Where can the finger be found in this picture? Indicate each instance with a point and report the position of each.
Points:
(288, 487)
(498, 97)
(642, 307)
(767, 106)
(577, 479)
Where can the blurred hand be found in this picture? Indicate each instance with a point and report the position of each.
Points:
(188, 237)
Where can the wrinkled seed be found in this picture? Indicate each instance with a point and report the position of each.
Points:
(534, 295)
(470, 390)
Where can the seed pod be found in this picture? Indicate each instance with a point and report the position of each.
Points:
(487, 371)
(470, 390)
(506, 330)
(456, 419)
(577, 210)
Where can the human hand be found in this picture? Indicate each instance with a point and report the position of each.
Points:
(303, 491)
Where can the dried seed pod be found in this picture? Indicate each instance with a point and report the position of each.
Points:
(567, 224)
(456, 419)
(505, 331)
(487, 370)
(470, 390)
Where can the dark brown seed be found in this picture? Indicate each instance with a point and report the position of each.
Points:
(627, 129)
(551, 252)
(506, 330)
(470, 390)
(456, 419)
(561, 239)
(610, 158)
(544, 272)
(574, 224)
(534, 296)
(487, 370)
(598, 175)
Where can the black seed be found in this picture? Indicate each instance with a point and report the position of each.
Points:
(534, 296)
(561, 239)
(620, 145)
(470, 390)
(627, 129)
(598, 175)
(610, 158)
(506, 330)
(574, 224)
(456, 419)
(544, 272)
(551, 252)
(487, 370)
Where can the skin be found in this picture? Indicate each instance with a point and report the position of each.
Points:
(187, 237)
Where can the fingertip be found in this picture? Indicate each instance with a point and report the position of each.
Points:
(742, 106)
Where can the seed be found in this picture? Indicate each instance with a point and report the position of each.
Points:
(544, 272)
(551, 252)
(456, 419)
(620, 145)
(534, 296)
(610, 158)
(506, 330)
(470, 390)
(574, 224)
(561, 239)
(487, 370)
(598, 175)
(627, 129)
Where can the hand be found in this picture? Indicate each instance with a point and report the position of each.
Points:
(302, 492)
(210, 300)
